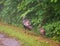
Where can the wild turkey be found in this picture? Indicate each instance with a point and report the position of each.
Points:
(42, 31)
(27, 24)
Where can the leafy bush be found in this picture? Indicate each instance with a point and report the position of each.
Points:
(53, 30)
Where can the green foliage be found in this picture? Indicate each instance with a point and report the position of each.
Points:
(9, 11)
(53, 30)
(54, 1)
(45, 13)
(40, 12)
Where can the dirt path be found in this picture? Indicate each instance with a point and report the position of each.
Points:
(39, 38)
(8, 41)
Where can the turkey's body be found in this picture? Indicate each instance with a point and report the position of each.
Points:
(42, 31)
(26, 24)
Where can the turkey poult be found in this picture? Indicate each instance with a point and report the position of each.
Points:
(42, 31)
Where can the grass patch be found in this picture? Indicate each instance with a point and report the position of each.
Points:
(26, 39)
